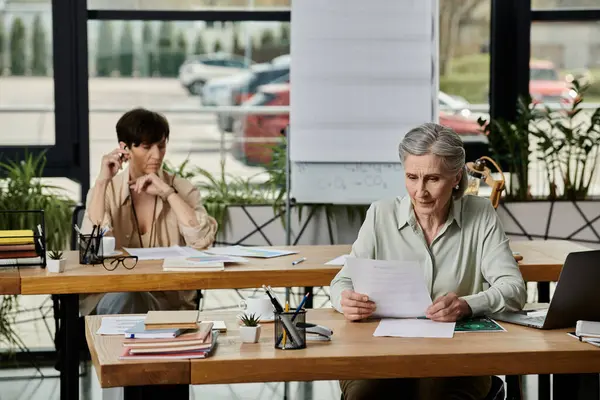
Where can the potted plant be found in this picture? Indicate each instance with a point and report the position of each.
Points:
(564, 144)
(250, 329)
(56, 262)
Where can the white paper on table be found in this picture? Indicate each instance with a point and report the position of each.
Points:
(118, 325)
(246, 251)
(414, 328)
(397, 287)
(160, 253)
(341, 260)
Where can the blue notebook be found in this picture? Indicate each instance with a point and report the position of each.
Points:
(139, 331)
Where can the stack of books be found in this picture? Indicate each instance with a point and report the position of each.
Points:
(16, 244)
(169, 335)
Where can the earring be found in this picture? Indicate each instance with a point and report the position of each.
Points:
(456, 187)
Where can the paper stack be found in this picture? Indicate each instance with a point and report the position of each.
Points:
(157, 344)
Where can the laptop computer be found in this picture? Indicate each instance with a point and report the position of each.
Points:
(576, 297)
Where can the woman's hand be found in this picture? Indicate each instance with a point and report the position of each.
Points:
(111, 163)
(448, 308)
(356, 306)
(150, 184)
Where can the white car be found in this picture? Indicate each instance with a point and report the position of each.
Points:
(197, 70)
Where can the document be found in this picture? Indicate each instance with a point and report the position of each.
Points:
(397, 287)
(246, 251)
(341, 260)
(160, 253)
(414, 328)
(118, 325)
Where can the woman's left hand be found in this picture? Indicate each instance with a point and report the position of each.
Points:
(448, 308)
(150, 184)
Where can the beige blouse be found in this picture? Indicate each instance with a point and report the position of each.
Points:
(119, 219)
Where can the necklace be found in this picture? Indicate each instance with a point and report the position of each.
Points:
(137, 224)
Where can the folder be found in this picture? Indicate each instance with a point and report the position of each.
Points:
(16, 237)
(172, 319)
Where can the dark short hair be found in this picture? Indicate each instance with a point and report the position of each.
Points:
(142, 126)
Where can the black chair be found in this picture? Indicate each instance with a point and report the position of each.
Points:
(497, 391)
(77, 219)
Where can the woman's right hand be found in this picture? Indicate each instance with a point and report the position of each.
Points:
(112, 163)
(356, 306)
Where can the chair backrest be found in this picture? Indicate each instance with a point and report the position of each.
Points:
(76, 219)
(497, 391)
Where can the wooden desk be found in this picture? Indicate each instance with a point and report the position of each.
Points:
(149, 275)
(543, 259)
(10, 281)
(353, 353)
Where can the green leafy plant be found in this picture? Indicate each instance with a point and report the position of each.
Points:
(22, 189)
(55, 255)
(250, 319)
(566, 143)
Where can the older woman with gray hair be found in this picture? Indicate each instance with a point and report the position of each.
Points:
(459, 243)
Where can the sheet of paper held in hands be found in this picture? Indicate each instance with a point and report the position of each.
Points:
(414, 328)
(341, 260)
(397, 287)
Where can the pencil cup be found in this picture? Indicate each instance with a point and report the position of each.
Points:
(90, 249)
(295, 337)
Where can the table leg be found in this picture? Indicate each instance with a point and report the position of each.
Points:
(543, 380)
(543, 292)
(576, 386)
(158, 392)
(69, 372)
(309, 302)
(513, 387)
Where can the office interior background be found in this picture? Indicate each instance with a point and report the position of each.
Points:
(219, 70)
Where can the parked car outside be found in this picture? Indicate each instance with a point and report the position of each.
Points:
(238, 93)
(197, 70)
(255, 135)
(546, 86)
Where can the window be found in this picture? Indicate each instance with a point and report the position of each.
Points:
(26, 76)
(180, 68)
(186, 5)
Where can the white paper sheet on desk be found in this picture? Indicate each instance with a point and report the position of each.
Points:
(118, 325)
(160, 253)
(397, 287)
(414, 328)
(248, 251)
(341, 260)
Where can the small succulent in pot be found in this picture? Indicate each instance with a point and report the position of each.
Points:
(250, 330)
(56, 262)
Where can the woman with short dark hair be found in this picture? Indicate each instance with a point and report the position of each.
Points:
(144, 206)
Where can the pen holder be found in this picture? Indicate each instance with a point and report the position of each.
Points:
(295, 337)
(90, 249)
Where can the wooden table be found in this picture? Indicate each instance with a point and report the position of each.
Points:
(353, 353)
(542, 261)
(10, 280)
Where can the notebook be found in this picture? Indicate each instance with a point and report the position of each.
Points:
(16, 237)
(187, 319)
(201, 335)
(140, 331)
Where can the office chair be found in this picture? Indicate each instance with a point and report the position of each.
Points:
(497, 391)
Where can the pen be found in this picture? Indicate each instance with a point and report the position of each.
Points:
(299, 261)
(287, 309)
(300, 306)
(275, 303)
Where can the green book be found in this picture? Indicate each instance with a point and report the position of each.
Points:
(478, 324)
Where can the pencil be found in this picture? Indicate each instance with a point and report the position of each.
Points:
(287, 309)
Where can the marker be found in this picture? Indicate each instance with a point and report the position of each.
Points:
(299, 261)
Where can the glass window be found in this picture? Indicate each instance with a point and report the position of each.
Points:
(143, 64)
(556, 4)
(26, 76)
(184, 4)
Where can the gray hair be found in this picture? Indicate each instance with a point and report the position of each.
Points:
(439, 140)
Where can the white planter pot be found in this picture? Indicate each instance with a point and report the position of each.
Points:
(250, 334)
(55, 266)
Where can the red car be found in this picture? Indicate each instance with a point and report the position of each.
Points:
(545, 85)
(256, 134)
